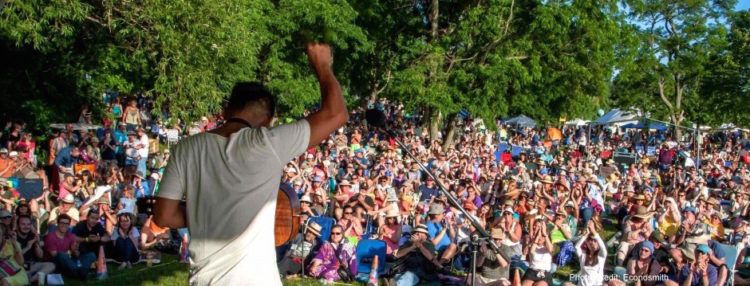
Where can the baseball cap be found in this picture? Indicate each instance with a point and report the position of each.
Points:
(700, 248)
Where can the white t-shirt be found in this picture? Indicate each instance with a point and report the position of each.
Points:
(231, 186)
(144, 150)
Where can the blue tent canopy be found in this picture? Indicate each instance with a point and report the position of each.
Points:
(642, 124)
(521, 121)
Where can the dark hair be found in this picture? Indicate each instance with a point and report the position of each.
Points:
(64, 216)
(246, 93)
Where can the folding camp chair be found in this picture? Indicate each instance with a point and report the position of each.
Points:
(731, 253)
(367, 249)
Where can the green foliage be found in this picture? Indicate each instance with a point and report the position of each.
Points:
(496, 58)
(662, 71)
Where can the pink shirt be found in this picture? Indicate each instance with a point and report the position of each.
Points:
(52, 242)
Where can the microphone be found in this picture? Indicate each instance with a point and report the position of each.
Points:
(375, 118)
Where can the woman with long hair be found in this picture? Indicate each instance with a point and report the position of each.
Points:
(592, 254)
(125, 241)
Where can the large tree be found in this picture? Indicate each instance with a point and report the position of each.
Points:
(675, 41)
(185, 54)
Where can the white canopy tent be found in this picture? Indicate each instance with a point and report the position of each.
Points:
(617, 118)
(577, 122)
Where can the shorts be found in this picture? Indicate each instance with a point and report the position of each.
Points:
(538, 275)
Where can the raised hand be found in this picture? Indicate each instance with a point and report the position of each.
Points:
(320, 57)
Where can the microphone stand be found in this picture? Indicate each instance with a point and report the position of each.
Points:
(451, 200)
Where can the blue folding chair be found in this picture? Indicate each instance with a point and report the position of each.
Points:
(731, 253)
(367, 249)
(326, 224)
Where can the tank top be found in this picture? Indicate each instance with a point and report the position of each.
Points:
(132, 116)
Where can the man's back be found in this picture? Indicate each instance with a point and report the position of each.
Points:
(231, 186)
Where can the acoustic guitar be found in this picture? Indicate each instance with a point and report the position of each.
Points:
(287, 216)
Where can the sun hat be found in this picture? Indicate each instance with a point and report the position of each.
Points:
(643, 213)
(68, 199)
(305, 198)
(314, 228)
(391, 213)
(496, 233)
(345, 183)
(436, 209)
(547, 179)
(421, 228)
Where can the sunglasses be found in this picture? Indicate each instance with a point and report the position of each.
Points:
(335, 233)
(63, 223)
(348, 213)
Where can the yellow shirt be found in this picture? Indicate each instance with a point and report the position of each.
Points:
(669, 226)
(6, 254)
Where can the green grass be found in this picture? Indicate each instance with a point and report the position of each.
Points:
(169, 272)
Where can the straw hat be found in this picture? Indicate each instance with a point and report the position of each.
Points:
(314, 228)
(643, 213)
(547, 179)
(391, 213)
(436, 209)
(68, 199)
(421, 228)
(497, 233)
(345, 183)
(305, 198)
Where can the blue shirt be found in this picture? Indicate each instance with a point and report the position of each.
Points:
(65, 159)
(120, 136)
(143, 191)
(697, 277)
(426, 193)
(433, 230)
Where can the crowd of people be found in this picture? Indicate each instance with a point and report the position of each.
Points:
(656, 216)
(666, 218)
(82, 197)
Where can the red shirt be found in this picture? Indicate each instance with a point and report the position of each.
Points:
(52, 242)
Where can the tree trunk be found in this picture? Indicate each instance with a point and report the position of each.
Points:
(450, 134)
(434, 14)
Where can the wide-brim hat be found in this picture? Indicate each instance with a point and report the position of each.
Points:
(496, 233)
(436, 209)
(305, 198)
(391, 213)
(345, 183)
(421, 228)
(547, 179)
(68, 199)
(643, 213)
(314, 228)
(592, 178)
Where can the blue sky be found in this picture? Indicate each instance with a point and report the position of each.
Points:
(742, 5)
